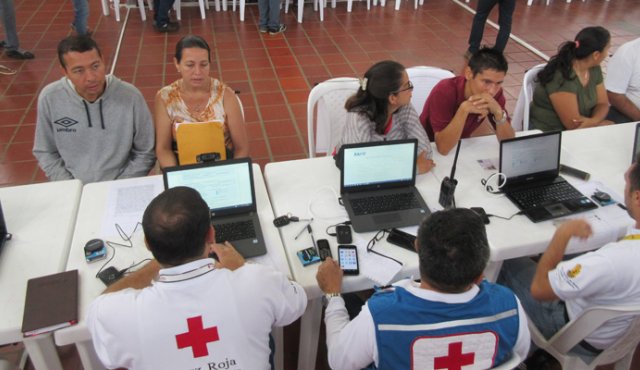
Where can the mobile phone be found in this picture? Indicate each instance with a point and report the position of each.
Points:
(343, 232)
(308, 256)
(348, 259)
(323, 249)
(402, 239)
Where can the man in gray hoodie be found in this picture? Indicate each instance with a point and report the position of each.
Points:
(92, 126)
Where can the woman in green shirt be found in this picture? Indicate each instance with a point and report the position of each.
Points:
(571, 92)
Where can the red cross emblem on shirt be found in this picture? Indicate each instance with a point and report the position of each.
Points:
(455, 360)
(197, 337)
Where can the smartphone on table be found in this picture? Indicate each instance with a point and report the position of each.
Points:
(348, 259)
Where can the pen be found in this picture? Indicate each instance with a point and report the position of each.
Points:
(622, 206)
(301, 231)
(312, 238)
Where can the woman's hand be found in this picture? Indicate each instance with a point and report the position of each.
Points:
(423, 164)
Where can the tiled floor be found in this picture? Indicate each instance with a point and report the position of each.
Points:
(274, 74)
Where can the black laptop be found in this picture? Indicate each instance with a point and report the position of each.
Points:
(377, 183)
(227, 187)
(4, 234)
(636, 143)
(531, 165)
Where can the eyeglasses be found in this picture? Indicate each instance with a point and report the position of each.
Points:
(409, 87)
(376, 238)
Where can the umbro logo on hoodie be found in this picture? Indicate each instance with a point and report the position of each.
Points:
(65, 122)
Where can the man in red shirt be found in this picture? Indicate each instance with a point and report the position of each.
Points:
(469, 105)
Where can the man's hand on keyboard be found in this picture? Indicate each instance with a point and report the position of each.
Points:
(228, 256)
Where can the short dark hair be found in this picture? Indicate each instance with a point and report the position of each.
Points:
(176, 224)
(382, 79)
(453, 249)
(191, 41)
(488, 58)
(77, 43)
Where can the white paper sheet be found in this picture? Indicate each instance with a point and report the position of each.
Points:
(125, 206)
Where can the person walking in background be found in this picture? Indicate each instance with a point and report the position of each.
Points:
(506, 8)
(270, 17)
(81, 14)
(11, 44)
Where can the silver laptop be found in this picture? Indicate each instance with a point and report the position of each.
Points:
(227, 187)
(531, 165)
(377, 184)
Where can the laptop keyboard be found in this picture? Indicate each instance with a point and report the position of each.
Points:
(384, 203)
(552, 193)
(234, 231)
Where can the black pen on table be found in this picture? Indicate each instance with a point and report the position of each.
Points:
(313, 240)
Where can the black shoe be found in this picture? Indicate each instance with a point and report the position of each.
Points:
(19, 54)
(167, 27)
(281, 28)
(2, 44)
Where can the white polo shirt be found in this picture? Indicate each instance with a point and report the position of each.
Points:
(623, 71)
(196, 317)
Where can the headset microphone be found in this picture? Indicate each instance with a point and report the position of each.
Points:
(448, 187)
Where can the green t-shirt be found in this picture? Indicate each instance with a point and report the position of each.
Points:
(542, 114)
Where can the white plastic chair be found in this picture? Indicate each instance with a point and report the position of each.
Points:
(116, 9)
(326, 112)
(202, 4)
(511, 364)
(424, 79)
(620, 352)
(520, 117)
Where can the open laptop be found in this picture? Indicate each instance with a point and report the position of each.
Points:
(377, 183)
(531, 165)
(4, 234)
(227, 187)
(636, 143)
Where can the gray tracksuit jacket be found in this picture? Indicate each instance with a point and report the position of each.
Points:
(111, 138)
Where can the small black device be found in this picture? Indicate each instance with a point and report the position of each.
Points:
(208, 157)
(480, 212)
(448, 186)
(4, 234)
(567, 170)
(602, 198)
(95, 250)
(348, 259)
(281, 221)
(343, 232)
(308, 256)
(323, 249)
(110, 275)
(402, 239)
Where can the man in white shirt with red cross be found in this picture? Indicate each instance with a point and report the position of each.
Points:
(450, 319)
(554, 291)
(184, 310)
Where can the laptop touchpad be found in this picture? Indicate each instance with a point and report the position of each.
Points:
(387, 218)
(557, 210)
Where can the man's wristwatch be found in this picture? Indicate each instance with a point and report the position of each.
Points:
(501, 120)
(327, 297)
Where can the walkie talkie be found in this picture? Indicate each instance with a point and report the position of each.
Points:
(448, 187)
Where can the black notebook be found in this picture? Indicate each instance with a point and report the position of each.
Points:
(51, 303)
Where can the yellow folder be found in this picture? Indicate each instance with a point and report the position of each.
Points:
(197, 138)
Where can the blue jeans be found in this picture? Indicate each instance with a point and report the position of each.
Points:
(81, 10)
(161, 9)
(483, 9)
(269, 13)
(8, 14)
(549, 317)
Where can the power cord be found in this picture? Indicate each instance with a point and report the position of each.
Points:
(505, 218)
(498, 183)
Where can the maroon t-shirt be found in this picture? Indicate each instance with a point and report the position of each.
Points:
(442, 104)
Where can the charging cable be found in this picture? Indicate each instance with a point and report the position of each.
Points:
(494, 182)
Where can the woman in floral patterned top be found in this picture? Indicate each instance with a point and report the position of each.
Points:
(196, 97)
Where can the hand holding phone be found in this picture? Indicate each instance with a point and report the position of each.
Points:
(348, 259)
(323, 249)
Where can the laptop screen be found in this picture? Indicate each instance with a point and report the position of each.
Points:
(529, 157)
(379, 164)
(225, 186)
(636, 144)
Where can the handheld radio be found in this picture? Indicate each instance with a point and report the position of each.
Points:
(448, 186)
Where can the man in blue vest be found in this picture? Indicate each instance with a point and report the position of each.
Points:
(449, 319)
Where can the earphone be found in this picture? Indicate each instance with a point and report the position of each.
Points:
(499, 181)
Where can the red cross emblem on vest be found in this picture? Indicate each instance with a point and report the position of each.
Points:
(197, 337)
(455, 360)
